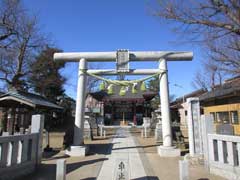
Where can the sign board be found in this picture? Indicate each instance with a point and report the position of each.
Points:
(96, 110)
(122, 60)
(196, 127)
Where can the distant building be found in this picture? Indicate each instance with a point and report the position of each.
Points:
(223, 102)
(179, 109)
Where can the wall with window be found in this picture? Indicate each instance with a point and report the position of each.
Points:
(226, 114)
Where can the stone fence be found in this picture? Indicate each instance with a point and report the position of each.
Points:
(20, 154)
(224, 155)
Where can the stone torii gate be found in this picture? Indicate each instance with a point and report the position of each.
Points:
(122, 58)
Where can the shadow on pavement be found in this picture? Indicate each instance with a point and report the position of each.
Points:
(100, 148)
(50, 153)
(133, 147)
(56, 157)
(73, 166)
(147, 178)
(48, 171)
(184, 152)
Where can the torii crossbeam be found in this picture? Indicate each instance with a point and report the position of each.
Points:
(122, 57)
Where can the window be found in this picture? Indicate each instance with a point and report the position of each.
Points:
(223, 117)
(185, 113)
(214, 117)
(234, 117)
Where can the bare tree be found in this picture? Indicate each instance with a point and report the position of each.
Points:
(91, 83)
(21, 40)
(215, 23)
(225, 53)
(9, 12)
(211, 76)
(200, 81)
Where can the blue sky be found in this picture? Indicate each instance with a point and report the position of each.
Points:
(108, 25)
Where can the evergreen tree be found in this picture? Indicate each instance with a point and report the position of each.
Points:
(153, 85)
(45, 77)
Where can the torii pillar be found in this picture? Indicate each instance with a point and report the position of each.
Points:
(78, 148)
(167, 149)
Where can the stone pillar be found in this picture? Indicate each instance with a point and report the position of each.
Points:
(190, 129)
(112, 113)
(167, 149)
(37, 126)
(78, 149)
(183, 170)
(194, 127)
(165, 109)
(80, 104)
(102, 112)
(134, 114)
(102, 109)
(10, 121)
(207, 128)
(61, 169)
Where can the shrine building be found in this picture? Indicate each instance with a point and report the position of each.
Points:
(121, 110)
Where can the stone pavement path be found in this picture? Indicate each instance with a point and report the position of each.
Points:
(124, 161)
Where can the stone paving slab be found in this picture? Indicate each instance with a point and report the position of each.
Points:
(122, 151)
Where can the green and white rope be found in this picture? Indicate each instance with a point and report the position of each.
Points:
(122, 82)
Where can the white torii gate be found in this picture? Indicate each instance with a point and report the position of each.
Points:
(167, 149)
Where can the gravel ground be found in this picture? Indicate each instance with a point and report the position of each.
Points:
(166, 168)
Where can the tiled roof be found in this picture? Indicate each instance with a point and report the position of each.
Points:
(29, 99)
(228, 88)
(196, 93)
(99, 95)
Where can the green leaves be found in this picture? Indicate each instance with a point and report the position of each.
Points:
(45, 77)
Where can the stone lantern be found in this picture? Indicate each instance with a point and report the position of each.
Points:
(158, 129)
